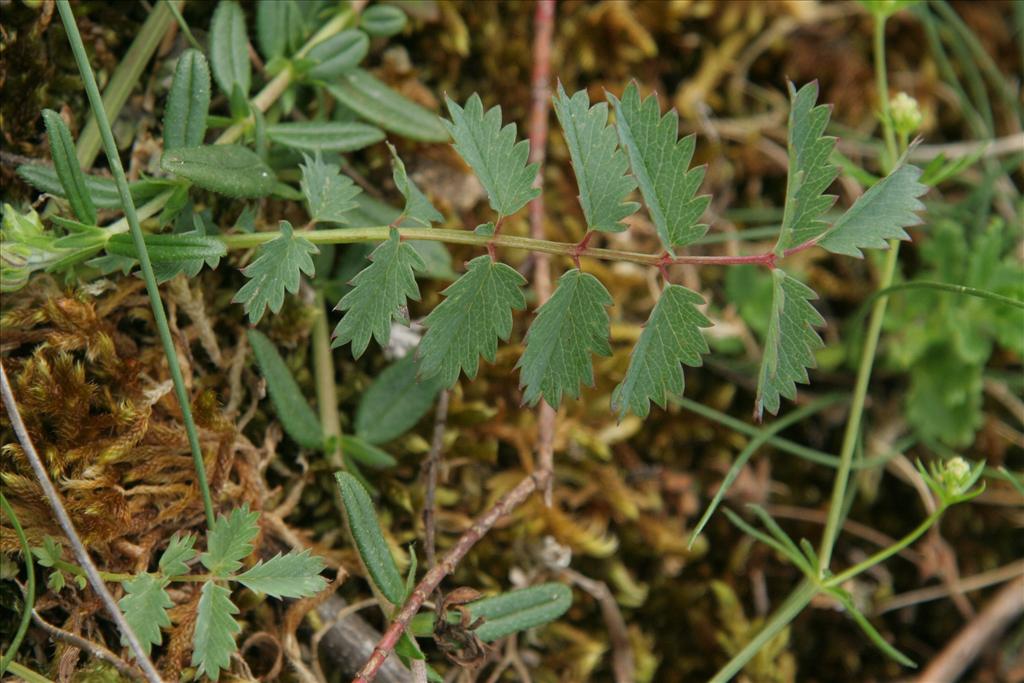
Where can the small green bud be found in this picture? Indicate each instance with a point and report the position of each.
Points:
(956, 475)
(906, 114)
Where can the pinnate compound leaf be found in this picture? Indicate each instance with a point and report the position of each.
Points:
(417, 207)
(790, 342)
(72, 179)
(214, 639)
(373, 549)
(660, 161)
(475, 314)
(601, 167)
(180, 551)
(231, 170)
(295, 575)
(670, 339)
(229, 48)
(395, 402)
(878, 215)
(298, 419)
(188, 102)
(329, 136)
(374, 101)
(230, 541)
(493, 153)
(278, 267)
(810, 172)
(570, 326)
(145, 604)
(329, 194)
(379, 295)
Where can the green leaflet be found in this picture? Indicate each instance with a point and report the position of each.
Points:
(213, 641)
(188, 102)
(231, 170)
(878, 215)
(417, 207)
(294, 575)
(493, 153)
(337, 54)
(145, 604)
(379, 294)
(382, 21)
(180, 551)
(298, 419)
(601, 167)
(365, 453)
(230, 541)
(810, 172)
(670, 339)
(328, 136)
(229, 48)
(280, 28)
(25, 247)
(171, 253)
(102, 190)
(660, 162)
(395, 402)
(570, 326)
(377, 103)
(790, 343)
(476, 313)
(373, 549)
(508, 613)
(329, 194)
(278, 267)
(62, 149)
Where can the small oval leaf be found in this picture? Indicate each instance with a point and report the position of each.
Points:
(519, 610)
(373, 549)
(231, 170)
(229, 48)
(102, 190)
(338, 54)
(62, 149)
(169, 247)
(280, 28)
(330, 136)
(188, 102)
(382, 21)
(365, 453)
(298, 419)
(374, 101)
(395, 402)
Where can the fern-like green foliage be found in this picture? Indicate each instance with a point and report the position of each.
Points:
(417, 207)
(145, 604)
(476, 313)
(810, 172)
(230, 541)
(601, 167)
(294, 575)
(790, 342)
(379, 295)
(670, 339)
(180, 551)
(278, 267)
(660, 163)
(216, 628)
(570, 326)
(330, 195)
(493, 153)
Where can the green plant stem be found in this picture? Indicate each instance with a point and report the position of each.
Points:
(941, 287)
(882, 85)
(30, 590)
(885, 553)
(326, 391)
(127, 73)
(93, 92)
(787, 612)
(119, 577)
(28, 674)
(183, 25)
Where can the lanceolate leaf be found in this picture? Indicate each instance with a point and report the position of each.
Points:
(417, 207)
(338, 54)
(332, 136)
(365, 453)
(382, 20)
(280, 27)
(216, 628)
(230, 541)
(519, 610)
(790, 342)
(878, 215)
(145, 606)
(231, 170)
(395, 402)
(670, 339)
(570, 326)
(278, 267)
(180, 551)
(229, 48)
(498, 160)
(298, 419)
(295, 575)
(62, 149)
(102, 190)
(379, 295)
(373, 549)
(172, 253)
(329, 194)
(600, 166)
(188, 102)
(810, 172)
(660, 162)
(475, 314)
(377, 103)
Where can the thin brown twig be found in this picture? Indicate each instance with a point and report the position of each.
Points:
(81, 554)
(94, 649)
(622, 651)
(431, 465)
(965, 585)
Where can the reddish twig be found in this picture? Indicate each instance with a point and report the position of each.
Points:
(431, 466)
